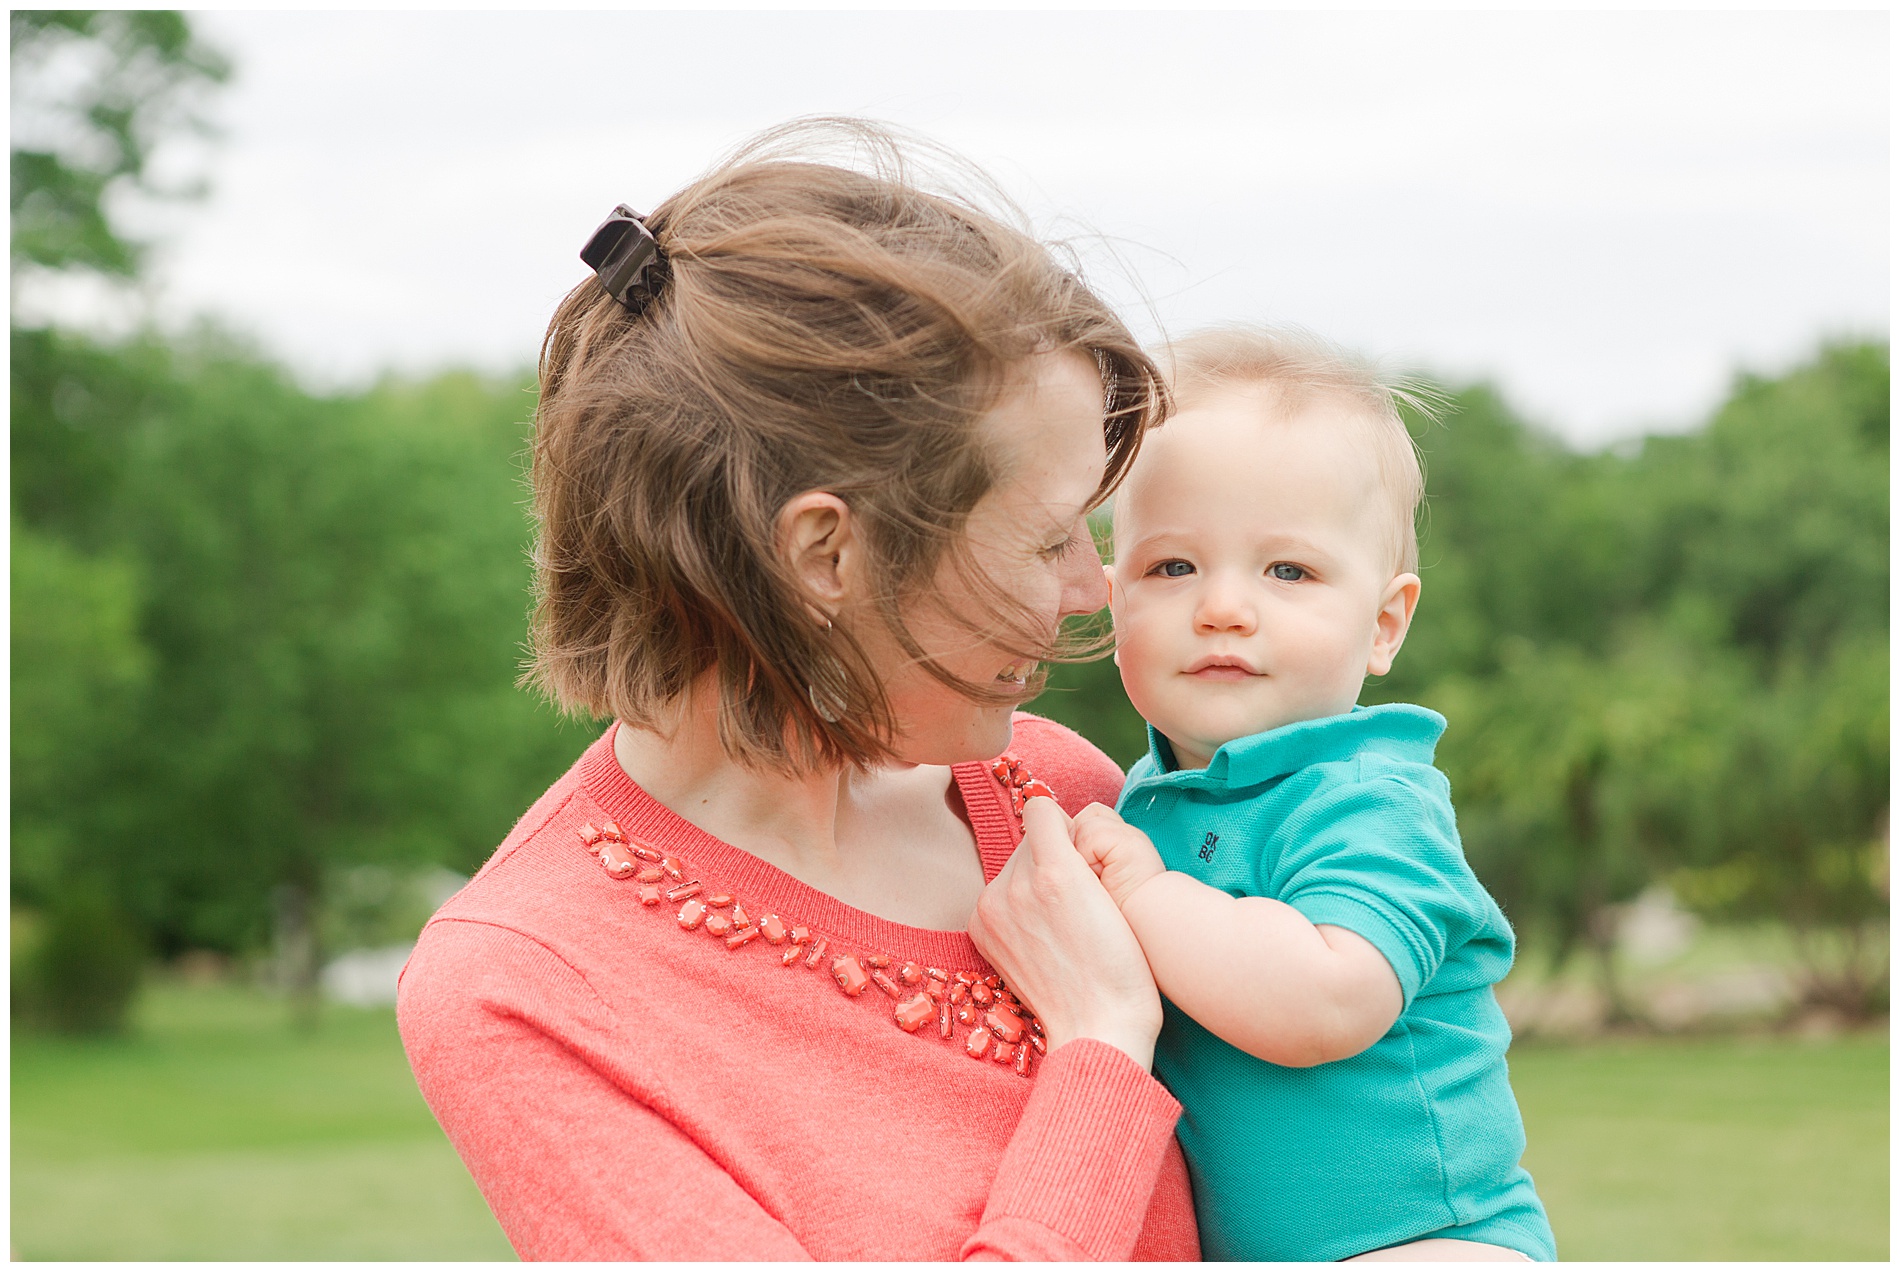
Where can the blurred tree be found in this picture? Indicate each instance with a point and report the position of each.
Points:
(78, 668)
(337, 590)
(1568, 768)
(76, 405)
(1793, 825)
(81, 974)
(94, 93)
(1777, 513)
(288, 647)
(77, 665)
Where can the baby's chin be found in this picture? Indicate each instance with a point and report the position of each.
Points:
(1208, 730)
(1197, 741)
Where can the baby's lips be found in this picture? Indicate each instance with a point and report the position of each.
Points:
(1222, 663)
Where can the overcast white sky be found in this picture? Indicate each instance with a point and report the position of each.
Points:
(1607, 213)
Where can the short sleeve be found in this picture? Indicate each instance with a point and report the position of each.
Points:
(1074, 767)
(1381, 858)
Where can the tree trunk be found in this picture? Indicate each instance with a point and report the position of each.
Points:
(1601, 935)
(297, 954)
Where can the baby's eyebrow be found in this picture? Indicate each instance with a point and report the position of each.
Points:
(1295, 544)
(1178, 533)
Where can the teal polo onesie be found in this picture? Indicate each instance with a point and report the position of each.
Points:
(1345, 819)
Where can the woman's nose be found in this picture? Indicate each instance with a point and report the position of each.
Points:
(1084, 586)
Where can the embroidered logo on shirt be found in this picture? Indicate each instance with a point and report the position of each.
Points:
(1207, 846)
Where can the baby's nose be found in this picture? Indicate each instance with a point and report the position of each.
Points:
(1224, 610)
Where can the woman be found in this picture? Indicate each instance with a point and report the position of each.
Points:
(813, 459)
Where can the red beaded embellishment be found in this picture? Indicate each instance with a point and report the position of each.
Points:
(849, 973)
(1005, 1024)
(1001, 1027)
(913, 1012)
(1016, 779)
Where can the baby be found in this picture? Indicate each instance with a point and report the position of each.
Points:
(1326, 955)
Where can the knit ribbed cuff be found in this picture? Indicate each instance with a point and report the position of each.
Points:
(1085, 1157)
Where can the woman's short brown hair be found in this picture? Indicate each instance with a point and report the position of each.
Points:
(823, 326)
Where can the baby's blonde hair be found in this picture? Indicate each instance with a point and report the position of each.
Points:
(1301, 366)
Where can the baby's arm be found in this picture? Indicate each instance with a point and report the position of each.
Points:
(1251, 970)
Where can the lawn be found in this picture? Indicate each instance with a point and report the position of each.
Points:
(1712, 1149)
(215, 1132)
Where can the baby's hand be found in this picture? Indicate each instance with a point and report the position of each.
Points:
(1121, 856)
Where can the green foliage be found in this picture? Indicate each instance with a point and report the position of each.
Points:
(1571, 772)
(94, 93)
(76, 405)
(79, 976)
(1777, 513)
(78, 671)
(331, 598)
(1088, 698)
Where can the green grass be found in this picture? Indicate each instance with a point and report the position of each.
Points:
(1711, 1149)
(216, 1132)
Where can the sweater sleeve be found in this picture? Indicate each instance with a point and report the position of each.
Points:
(509, 1046)
(1080, 1170)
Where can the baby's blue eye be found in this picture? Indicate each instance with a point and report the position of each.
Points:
(1174, 569)
(1287, 573)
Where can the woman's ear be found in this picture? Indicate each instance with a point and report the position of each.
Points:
(817, 538)
(1393, 621)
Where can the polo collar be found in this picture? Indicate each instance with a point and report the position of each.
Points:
(1397, 729)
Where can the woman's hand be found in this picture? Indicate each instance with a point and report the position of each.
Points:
(1047, 924)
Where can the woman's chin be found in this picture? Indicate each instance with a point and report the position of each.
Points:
(981, 735)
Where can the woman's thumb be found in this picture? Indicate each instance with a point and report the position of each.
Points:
(1046, 828)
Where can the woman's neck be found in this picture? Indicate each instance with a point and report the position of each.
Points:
(687, 769)
(868, 838)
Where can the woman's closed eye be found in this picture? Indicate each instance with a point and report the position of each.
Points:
(1172, 569)
(1060, 551)
(1287, 572)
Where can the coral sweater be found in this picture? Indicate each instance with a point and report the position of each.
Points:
(621, 1087)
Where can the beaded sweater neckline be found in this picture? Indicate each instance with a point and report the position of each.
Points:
(935, 977)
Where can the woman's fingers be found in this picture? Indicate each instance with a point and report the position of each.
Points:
(1046, 828)
(1047, 924)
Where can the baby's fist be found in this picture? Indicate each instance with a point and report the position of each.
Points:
(1121, 856)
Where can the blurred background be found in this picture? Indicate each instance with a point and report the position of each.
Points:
(278, 283)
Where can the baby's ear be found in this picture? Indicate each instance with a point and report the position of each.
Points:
(1392, 622)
